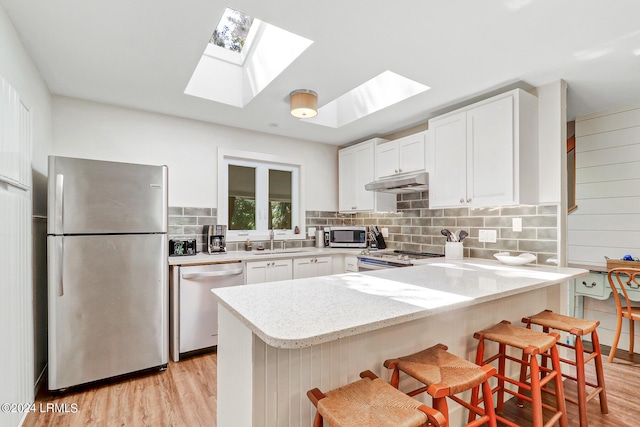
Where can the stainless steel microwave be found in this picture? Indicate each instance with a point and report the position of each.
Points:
(348, 236)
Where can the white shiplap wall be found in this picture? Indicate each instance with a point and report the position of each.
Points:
(607, 221)
(16, 310)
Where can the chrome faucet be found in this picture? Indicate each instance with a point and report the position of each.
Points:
(271, 236)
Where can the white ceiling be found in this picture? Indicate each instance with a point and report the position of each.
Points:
(141, 54)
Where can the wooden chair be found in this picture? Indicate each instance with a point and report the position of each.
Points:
(444, 376)
(371, 402)
(578, 328)
(532, 344)
(621, 280)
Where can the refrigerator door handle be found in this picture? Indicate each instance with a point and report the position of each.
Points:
(59, 277)
(59, 213)
(212, 274)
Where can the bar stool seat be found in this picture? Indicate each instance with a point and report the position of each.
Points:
(578, 328)
(532, 343)
(371, 402)
(446, 375)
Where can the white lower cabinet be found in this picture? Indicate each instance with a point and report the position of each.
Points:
(312, 267)
(268, 271)
(351, 263)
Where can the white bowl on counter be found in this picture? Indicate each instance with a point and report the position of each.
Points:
(521, 259)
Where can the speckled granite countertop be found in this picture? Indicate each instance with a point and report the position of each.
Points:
(305, 312)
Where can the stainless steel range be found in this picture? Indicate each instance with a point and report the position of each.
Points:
(377, 260)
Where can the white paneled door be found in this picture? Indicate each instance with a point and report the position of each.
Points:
(16, 310)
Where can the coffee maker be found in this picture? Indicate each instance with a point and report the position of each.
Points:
(215, 237)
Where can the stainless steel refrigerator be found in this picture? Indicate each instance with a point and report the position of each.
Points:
(107, 267)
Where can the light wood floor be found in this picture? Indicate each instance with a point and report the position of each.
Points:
(185, 395)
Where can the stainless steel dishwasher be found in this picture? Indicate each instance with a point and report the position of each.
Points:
(194, 308)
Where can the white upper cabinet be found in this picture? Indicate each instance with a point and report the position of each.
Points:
(485, 154)
(447, 143)
(403, 155)
(356, 167)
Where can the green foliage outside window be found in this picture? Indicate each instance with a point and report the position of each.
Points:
(281, 215)
(232, 30)
(242, 214)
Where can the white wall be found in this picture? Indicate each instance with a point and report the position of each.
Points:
(19, 70)
(105, 132)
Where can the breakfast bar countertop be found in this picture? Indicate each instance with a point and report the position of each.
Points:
(305, 312)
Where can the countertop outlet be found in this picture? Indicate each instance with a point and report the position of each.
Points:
(516, 224)
(487, 236)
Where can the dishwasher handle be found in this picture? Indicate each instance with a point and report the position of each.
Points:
(212, 274)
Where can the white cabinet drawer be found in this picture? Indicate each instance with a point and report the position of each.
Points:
(594, 285)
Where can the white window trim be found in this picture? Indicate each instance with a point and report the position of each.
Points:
(297, 214)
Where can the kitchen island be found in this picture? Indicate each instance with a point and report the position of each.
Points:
(278, 340)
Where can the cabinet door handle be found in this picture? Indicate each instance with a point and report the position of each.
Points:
(399, 170)
(395, 170)
(461, 200)
(468, 200)
(592, 285)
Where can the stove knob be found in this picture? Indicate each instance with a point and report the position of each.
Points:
(400, 257)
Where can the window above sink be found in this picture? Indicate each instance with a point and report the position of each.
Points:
(259, 192)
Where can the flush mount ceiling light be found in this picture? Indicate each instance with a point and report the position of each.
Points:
(304, 103)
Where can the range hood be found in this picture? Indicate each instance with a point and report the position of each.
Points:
(402, 184)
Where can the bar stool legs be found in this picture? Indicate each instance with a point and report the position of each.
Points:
(532, 344)
(577, 327)
(444, 376)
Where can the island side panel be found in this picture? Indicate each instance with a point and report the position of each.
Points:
(234, 371)
(281, 377)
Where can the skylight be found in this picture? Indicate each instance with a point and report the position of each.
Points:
(242, 57)
(382, 91)
(232, 30)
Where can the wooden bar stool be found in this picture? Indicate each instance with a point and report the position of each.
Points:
(578, 328)
(532, 343)
(446, 375)
(620, 280)
(371, 402)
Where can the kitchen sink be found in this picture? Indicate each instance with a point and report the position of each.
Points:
(276, 252)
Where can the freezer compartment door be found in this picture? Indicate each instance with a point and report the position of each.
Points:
(96, 197)
(108, 306)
